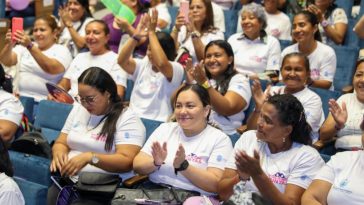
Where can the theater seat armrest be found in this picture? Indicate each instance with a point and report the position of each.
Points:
(135, 180)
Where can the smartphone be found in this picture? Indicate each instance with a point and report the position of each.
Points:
(185, 9)
(16, 24)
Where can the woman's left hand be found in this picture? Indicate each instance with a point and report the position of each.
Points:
(315, 10)
(247, 164)
(180, 156)
(199, 73)
(75, 164)
(21, 38)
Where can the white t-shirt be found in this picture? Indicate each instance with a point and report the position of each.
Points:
(152, 91)
(238, 84)
(210, 148)
(345, 172)
(205, 38)
(11, 108)
(9, 191)
(32, 77)
(297, 166)
(255, 56)
(219, 17)
(66, 38)
(322, 61)
(350, 135)
(337, 16)
(163, 14)
(278, 25)
(83, 136)
(106, 61)
(312, 104)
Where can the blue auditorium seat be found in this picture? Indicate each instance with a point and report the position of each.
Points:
(347, 5)
(173, 11)
(150, 126)
(325, 96)
(231, 20)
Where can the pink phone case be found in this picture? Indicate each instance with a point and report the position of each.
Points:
(184, 9)
(16, 24)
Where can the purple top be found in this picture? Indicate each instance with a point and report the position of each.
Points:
(116, 34)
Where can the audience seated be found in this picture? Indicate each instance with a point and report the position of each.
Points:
(199, 31)
(39, 62)
(278, 23)
(333, 21)
(295, 71)
(229, 91)
(340, 181)
(255, 51)
(188, 154)
(100, 135)
(11, 110)
(74, 16)
(275, 161)
(346, 115)
(322, 57)
(9, 190)
(120, 28)
(97, 35)
(155, 76)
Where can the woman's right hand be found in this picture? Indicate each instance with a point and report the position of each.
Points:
(59, 159)
(159, 152)
(8, 40)
(259, 96)
(180, 21)
(64, 14)
(339, 114)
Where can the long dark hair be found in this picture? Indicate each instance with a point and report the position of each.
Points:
(313, 20)
(223, 85)
(5, 82)
(208, 24)
(5, 163)
(167, 44)
(103, 82)
(201, 92)
(291, 112)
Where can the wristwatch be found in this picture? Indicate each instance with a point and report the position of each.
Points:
(324, 23)
(195, 34)
(206, 84)
(183, 166)
(94, 159)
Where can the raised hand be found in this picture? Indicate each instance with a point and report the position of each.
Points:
(180, 21)
(315, 10)
(259, 96)
(64, 14)
(21, 38)
(159, 152)
(247, 164)
(179, 157)
(199, 73)
(153, 20)
(189, 69)
(339, 114)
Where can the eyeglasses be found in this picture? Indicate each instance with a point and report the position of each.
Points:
(89, 99)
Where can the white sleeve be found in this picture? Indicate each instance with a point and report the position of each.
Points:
(328, 67)
(63, 56)
(274, 54)
(240, 85)
(307, 166)
(11, 197)
(286, 31)
(220, 153)
(219, 19)
(178, 73)
(71, 72)
(12, 110)
(314, 112)
(243, 143)
(119, 75)
(327, 172)
(129, 129)
(73, 114)
(339, 16)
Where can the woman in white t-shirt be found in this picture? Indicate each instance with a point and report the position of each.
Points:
(38, 63)
(155, 76)
(229, 91)
(333, 21)
(340, 181)
(255, 51)
(276, 160)
(74, 18)
(188, 154)
(346, 114)
(295, 71)
(9, 190)
(97, 36)
(100, 135)
(322, 58)
(11, 110)
(199, 30)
